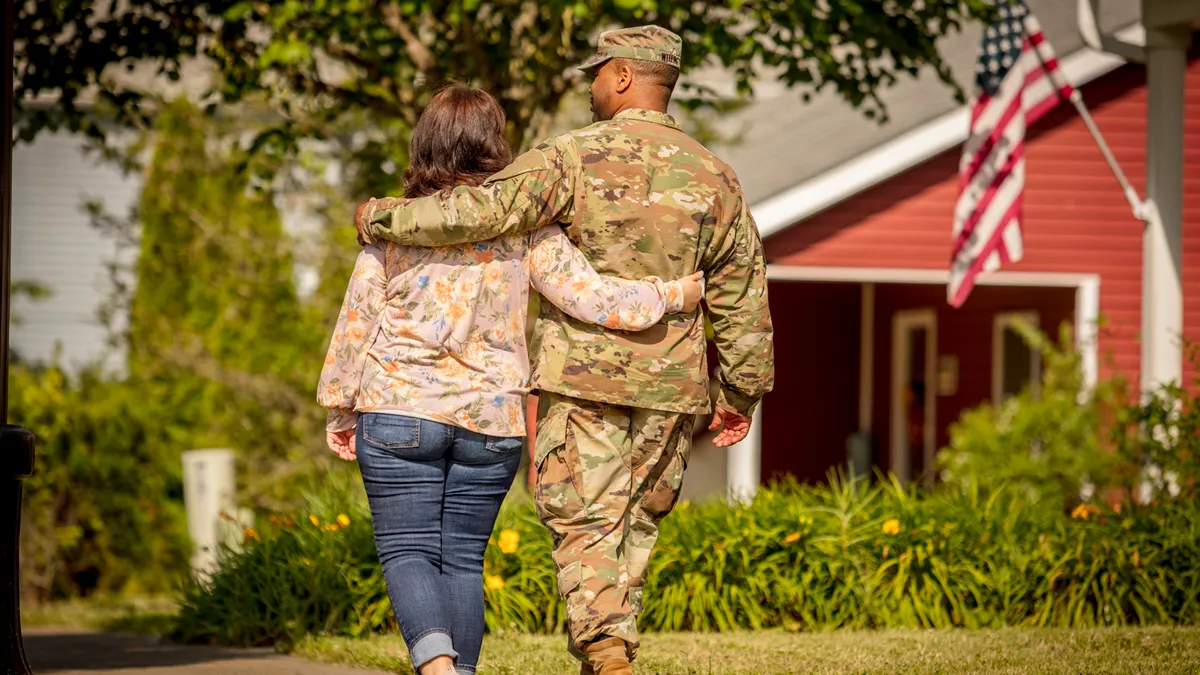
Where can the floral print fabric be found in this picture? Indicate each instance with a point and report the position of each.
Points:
(439, 333)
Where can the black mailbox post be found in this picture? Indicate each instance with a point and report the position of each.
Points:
(16, 444)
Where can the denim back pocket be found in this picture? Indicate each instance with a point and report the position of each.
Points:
(504, 445)
(394, 432)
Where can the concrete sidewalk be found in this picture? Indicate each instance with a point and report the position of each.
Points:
(76, 652)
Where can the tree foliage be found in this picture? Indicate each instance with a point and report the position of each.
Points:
(215, 314)
(331, 68)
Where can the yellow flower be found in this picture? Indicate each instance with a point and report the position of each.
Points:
(1084, 511)
(314, 520)
(509, 540)
(792, 538)
(891, 527)
(250, 533)
(493, 582)
(332, 527)
(343, 520)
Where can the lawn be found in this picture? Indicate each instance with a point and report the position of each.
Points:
(1145, 651)
(1026, 651)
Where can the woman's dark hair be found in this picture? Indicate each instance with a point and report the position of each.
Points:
(459, 140)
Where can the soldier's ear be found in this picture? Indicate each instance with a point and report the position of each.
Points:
(624, 78)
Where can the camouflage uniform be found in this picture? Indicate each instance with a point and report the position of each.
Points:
(640, 198)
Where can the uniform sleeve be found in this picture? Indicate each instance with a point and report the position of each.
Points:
(736, 298)
(562, 274)
(536, 189)
(355, 332)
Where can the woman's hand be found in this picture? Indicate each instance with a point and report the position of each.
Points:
(342, 444)
(693, 290)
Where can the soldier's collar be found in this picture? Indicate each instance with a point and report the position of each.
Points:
(652, 116)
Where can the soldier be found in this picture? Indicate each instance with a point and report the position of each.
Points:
(640, 198)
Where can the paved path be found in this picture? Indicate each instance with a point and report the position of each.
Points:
(74, 652)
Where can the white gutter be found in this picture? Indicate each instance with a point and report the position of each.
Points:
(929, 140)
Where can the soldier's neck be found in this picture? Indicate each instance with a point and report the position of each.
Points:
(655, 104)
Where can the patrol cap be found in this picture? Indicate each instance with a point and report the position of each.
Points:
(643, 43)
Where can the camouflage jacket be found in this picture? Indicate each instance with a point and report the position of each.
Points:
(640, 198)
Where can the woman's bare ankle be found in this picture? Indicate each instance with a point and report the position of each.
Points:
(441, 665)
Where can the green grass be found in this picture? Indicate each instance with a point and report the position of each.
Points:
(146, 616)
(1025, 651)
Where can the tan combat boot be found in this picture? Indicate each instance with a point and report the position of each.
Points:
(606, 657)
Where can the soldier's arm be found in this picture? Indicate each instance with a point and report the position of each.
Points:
(538, 188)
(736, 297)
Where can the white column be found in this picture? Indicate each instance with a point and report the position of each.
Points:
(1162, 242)
(1087, 332)
(743, 463)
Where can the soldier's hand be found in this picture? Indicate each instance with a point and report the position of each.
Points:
(693, 290)
(733, 427)
(364, 238)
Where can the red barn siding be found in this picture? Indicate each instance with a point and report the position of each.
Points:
(1076, 219)
(815, 408)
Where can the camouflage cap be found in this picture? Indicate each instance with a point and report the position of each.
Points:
(644, 43)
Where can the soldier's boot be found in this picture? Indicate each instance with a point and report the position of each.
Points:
(606, 657)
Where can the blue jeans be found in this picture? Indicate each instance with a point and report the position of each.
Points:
(434, 491)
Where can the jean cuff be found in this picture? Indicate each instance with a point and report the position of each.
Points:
(431, 645)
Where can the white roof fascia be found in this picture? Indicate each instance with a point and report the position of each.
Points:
(924, 142)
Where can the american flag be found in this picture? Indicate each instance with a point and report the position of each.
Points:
(1017, 81)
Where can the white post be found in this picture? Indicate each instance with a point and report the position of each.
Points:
(743, 464)
(1087, 333)
(1162, 292)
(208, 488)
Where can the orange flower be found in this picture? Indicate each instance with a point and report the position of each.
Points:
(792, 538)
(343, 520)
(891, 527)
(1085, 511)
(541, 259)
(312, 518)
(251, 534)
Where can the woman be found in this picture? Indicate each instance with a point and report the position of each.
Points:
(427, 372)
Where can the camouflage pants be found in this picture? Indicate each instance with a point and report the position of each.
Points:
(607, 476)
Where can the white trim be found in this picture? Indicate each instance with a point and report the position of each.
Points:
(902, 324)
(1001, 322)
(896, 275)
(866, 358)
(870, 168)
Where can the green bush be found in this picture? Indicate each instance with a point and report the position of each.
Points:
(800, 557)
(1057, 511)
(103, 511)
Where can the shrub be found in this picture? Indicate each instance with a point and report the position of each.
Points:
(103, 511)
(843, 555)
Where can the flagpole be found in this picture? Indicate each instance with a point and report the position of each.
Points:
(1143, 210)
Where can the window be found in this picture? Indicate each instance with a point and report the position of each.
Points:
(1015, 365)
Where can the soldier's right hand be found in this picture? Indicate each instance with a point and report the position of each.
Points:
(364, 238)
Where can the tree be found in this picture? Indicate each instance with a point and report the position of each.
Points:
(215, 323)
(333, 69)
